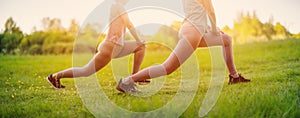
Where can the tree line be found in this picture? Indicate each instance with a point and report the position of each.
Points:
(52, 39)
(55, 39)
(248, 28)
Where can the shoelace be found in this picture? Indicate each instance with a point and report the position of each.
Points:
(130, 87)
(56, 81)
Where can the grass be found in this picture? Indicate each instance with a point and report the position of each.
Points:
(274, 91)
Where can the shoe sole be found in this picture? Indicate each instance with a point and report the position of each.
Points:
(119, 89)
(51, 83)
(231, 83)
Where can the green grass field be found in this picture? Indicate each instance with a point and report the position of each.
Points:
(274, 91)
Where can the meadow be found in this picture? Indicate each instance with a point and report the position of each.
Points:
(274, 90)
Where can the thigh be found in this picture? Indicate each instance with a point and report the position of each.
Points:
(192, 35)
(210, 39)
(128, 48)
(101, 58)
(189, 40)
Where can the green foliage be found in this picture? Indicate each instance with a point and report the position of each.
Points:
(11, 38)
(248, 28)
(58, 43)
(88, 39)
(35, 49)
(281, 31)
(52, 24)
(11, 26)
(165, 35)
(50, 42)
(268, 30)
(53, 40)
(35, 38)
(73, 28)
(296, 36)
(10, 42)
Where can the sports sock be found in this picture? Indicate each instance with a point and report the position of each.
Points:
(236, 75)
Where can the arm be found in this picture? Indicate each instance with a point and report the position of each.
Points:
(207, 4)
(130, 26)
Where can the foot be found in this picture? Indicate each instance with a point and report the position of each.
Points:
(144, 82)
(54, 82)
(239, 79)
(125, 88)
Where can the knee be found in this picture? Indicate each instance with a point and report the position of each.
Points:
(140, 49)
(227, 40)
(106, 54)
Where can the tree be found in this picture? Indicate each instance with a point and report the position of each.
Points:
(268, 30)
(166, 35)
(256, 26)
(248, 28)
(176, 25)
(73, 28)
(54, 39)
(32, 44)
(296, 36)
(11, 38)
(11, 27)
(52, 24)
(88, 38)
(281, 31)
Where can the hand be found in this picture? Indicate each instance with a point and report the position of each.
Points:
(217, 31)
(213, 35)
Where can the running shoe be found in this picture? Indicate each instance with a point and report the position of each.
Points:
(126, 88)
(239, 79)
(54, 82)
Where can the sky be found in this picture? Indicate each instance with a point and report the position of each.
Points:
(29, 13)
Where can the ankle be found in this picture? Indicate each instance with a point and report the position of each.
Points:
(56, 76)
(235, 75)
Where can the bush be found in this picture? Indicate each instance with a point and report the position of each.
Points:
(35, 49)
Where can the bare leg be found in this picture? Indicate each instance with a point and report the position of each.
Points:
(189, 41)
(100, 59)
(138, 59)
(138, 50)
(226, 43)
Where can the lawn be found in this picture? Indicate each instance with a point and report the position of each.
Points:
(274, 90)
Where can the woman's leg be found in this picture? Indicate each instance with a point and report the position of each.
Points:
(226, 42)
(100, 59)
(189, 41)
(138, 50)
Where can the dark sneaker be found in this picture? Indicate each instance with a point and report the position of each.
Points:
(124, 88)
(55, 83)
(144, 82)
(239, 79)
